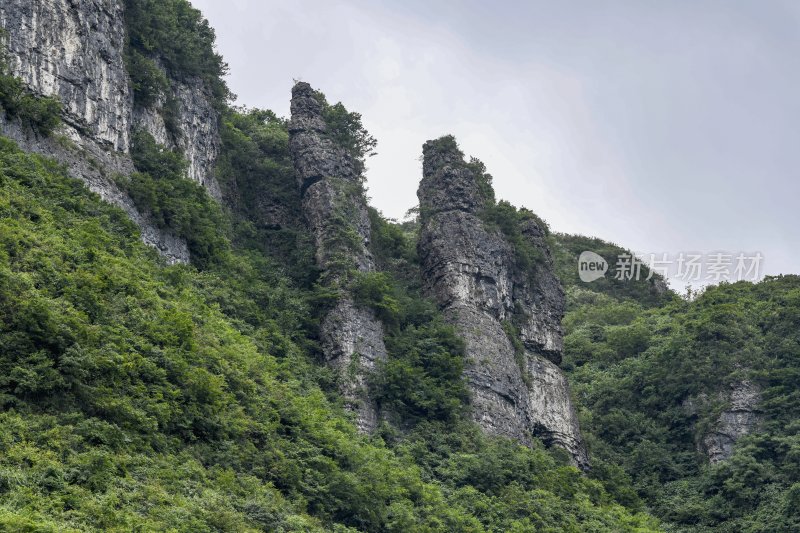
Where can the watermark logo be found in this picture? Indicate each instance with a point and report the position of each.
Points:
(685, 266)
(591, 266)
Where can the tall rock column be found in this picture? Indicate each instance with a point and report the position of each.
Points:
(510, 318)
(335, 209)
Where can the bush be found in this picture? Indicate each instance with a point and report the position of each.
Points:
(177, 35)
(376, 291)
(40, 113)
(505, 217)
(346, 129)
(148, 81)
(161, 190)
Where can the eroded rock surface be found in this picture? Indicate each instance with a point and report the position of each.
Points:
(335, 209)
(471, 270)
(197, 135)
(740, 418)
(74, 50)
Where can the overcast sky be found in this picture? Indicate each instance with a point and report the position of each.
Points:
(661, 126)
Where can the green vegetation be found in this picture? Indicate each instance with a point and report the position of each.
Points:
(256, 174)
(567, 248)
(649, 378)
(511, 221)
(161, 189)
(149, 82)
(40, 113)
(138, 395)
(481, 175)
(346, 129)
(174, 34)
(501, 215)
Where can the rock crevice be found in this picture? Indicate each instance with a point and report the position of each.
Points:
(335, 209)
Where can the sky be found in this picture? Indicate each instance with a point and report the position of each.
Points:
(664, 127)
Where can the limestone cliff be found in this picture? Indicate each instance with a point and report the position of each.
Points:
(335, 209)
(74, 50)
(739, 416)
(472, 272)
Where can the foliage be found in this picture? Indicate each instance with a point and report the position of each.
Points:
(256, 174)
(161, 190)
(346, 129)
(177, 36)
(148, 81)
(142, 396)
(40, 113)
(651, 383)
(483, 178)
(423, 378)
(376, 290)
(511, 221)
(515, 224)
(446, 143)
(646, 292)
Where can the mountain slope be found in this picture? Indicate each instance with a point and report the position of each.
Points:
(137, 394)
(166, 364)
(695, 401)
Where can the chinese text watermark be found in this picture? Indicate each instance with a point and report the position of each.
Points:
(712, 267)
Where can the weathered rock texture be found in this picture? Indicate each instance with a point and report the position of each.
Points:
(517, 391)
(739, 418)
(74, 49)
(335, 209)
(198, 129)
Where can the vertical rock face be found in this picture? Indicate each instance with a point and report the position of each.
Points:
(198, 130)
(74, 50)
(740, 418)
(517, 389)
(336, 212)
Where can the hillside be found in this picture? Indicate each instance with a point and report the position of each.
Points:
(204, 325)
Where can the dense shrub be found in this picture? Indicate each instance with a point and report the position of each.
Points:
(161, 190)
(509, 220)
(175, 34)
(346, 129)
(651, 383)
(40, 113)
(256, 174)
(148, 81)
(142, 396)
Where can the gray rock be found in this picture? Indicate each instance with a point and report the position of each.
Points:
(540, 297)
(198, 130)
(472, 273)
(740, 418)
(96, 167)
(73, 49)
(352, 341)
(335, 209)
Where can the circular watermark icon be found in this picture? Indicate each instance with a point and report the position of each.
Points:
(591, 266)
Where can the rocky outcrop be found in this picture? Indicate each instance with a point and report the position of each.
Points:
(335, 209)
(197, 135)
(96, 168)
(74, 50)
(509, 318)
(739, 418)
